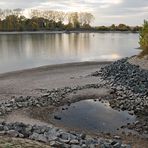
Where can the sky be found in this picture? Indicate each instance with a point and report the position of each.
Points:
(106, 12)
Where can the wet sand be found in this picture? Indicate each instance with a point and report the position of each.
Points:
(35, 82)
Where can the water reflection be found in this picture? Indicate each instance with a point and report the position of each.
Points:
(31, 50)
(86, 115)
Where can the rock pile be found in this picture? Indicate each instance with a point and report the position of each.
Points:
(130, 86)
(58, 138)
(54, 97)
(131, 76)
(53, 136)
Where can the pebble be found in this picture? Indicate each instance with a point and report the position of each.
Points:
(128, 83)
(54, 137)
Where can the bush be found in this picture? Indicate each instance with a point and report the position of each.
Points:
(144, 37)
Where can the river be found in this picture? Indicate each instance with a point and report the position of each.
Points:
(27, 50)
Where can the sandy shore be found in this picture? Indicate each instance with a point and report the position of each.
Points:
(36, 82)
(32, 82)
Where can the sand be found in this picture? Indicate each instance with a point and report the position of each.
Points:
(33, 82)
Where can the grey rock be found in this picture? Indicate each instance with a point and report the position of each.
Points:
(74, 141)
(64, 137)
(57, 117)
(117, 137)
(34, 136)
(55, 144)
(117, 145)
(75, 146)
(84, 146)
(125, 146)
(1, 127)
(2, 133)
(42, 138)
(20, 135)
(12, 133)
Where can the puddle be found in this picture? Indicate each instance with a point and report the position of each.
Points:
(87, 115)
(92, 116)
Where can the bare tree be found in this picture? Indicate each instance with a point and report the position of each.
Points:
(18, 12)
(85, 18)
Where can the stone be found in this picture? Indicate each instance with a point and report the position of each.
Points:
(42, 138)
(75, 146)
(20, 135)
(12, 133)
(2, 133)
(84, 146)
(117, 137)
(117, 145)
(105, 145)
(1, 127)
(82, 135)
(66, 146)
(28, 128)
(57, 117)
(34, 136)
(64, 137)
(55, 144)
(125, 146)
(1, 113)
(74, 141)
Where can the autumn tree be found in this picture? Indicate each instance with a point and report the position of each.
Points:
(85, 19)
(13, 20)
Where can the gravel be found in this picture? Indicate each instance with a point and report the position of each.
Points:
(55, 97)
(60, 138)
(130, 88)
(55, 137)
(129, 91)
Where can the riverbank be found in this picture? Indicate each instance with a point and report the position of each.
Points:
(130, 83)
(34, 82)
(47, 88)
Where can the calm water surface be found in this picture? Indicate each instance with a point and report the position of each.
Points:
(87, 115)
(93, 116)
(22, 51)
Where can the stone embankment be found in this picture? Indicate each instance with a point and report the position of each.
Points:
(130, 85)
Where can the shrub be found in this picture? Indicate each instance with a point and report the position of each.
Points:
(144, 37)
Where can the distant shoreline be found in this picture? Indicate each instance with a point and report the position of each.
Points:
(60, 32)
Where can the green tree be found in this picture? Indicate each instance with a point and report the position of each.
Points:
(144, 37)
(123, 27)
(112, 27)
(69, 26)
(13, 20)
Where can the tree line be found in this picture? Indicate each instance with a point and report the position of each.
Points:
(40, 20)
(14, 20)
(120, 27)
